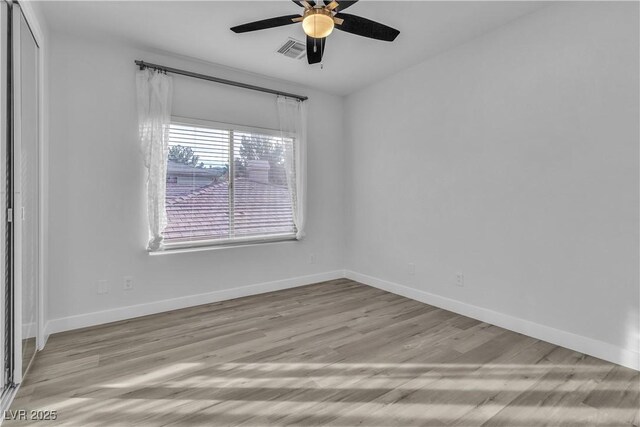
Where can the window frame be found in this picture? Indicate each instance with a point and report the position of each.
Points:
(236, 241)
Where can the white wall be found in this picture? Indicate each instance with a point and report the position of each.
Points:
(513, 159)
(97, 194)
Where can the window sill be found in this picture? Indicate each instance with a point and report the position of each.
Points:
(180, 248)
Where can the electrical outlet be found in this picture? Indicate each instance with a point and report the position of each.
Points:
(312, 259)
(127, 283)
(411, 269)
(460, 279)
(103, 287)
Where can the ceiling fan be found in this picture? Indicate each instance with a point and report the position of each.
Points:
(319, 21)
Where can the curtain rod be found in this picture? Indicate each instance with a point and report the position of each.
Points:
(143, 65)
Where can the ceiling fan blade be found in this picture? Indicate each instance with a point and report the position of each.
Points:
(365, 27)
(302, 3)
(342, 4)
(265, 23)
(315, 49)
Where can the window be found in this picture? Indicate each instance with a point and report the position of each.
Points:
(227, 184)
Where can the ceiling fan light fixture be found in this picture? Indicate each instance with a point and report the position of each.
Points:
(317, 23)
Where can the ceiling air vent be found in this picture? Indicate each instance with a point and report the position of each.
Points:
(293, 49)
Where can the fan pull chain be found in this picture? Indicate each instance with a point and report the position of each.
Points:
(315, 41)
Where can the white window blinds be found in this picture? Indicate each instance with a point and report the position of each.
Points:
(226, 183)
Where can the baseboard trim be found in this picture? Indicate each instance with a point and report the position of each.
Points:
(123, 313)
(582, 344)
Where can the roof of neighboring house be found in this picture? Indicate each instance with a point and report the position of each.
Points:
(180, 169)
(203, 212)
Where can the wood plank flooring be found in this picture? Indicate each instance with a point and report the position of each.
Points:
(335, 353)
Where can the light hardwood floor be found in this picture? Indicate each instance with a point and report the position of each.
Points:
(335, 353)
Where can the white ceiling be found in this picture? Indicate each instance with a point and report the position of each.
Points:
(200, 30)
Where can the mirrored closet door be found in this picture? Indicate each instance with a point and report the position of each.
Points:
(20, 210)
(26, 188)
(6, 340)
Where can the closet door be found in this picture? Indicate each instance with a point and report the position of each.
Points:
(26, 186)
(5, 248)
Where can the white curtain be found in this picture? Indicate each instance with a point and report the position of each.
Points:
(154, 91)
(293, 122)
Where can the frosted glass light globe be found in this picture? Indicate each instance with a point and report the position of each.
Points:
(317, 23)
